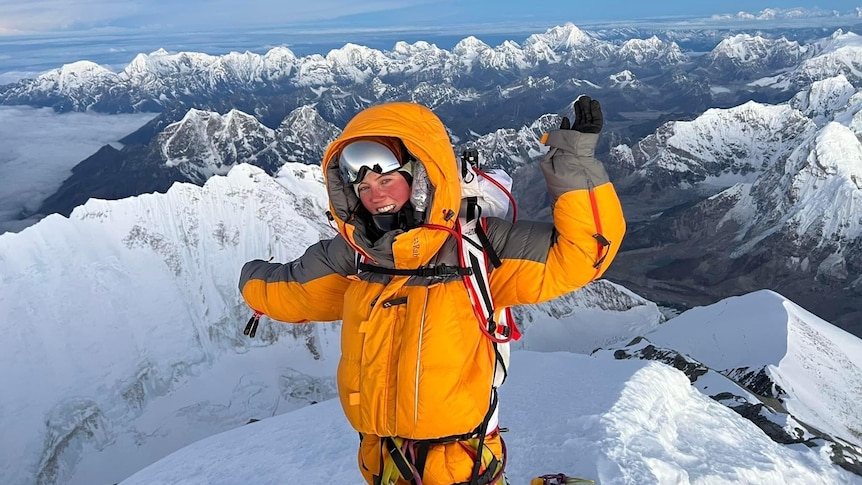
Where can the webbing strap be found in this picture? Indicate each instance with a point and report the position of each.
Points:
(421, 449)
(404, 458)
(489, 249)
(399, 465)
(431, 272)
(499, 329)
(474, 213)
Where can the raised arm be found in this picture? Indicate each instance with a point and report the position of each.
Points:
(542, 261)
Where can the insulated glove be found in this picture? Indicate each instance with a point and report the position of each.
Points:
(570, 163)
(588, 116)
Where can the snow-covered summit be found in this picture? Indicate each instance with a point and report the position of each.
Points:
(840, 53)
(720, 147)
(813, 363)
(826, 100)
(747, 49)
(616, 420)
(205, 143)
(642, 51)
(561, 37)
(139, 349)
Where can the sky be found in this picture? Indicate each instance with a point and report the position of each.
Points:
(138, 352)
(27, 17)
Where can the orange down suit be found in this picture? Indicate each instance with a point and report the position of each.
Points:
(414, 362)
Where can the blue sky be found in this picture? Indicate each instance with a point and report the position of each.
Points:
(28, 17)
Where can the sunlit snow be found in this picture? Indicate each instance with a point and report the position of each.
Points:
(123, 343)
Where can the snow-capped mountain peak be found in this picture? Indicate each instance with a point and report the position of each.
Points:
(826, 100)
(782, 343)
(722, 146)
(561, 38)
(204, 143)
(470, 48)
(624, 79)
(640, 51)
(75, 81)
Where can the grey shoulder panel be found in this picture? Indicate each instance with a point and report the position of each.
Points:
(524, 240)
(330, 256)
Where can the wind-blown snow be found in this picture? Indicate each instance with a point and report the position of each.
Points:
(127, 301)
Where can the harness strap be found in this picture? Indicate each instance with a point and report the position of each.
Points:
(399, 465)
(421, 449)
(493, 466)
(432, 272)
(559, 479)
(405, 458)
(480, 446)
(489, 249)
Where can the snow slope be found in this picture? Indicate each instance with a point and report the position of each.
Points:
(620, 422)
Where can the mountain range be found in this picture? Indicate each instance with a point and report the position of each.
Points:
(756, 196)
(475, 87)
(697, 144)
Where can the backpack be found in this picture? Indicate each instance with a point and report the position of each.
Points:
(484, 194)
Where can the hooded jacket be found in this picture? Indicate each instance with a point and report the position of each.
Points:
(414, 362)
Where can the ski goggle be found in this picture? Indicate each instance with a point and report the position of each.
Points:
(359, 157)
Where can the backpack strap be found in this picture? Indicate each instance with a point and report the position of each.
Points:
(474, 212)
(499, 328)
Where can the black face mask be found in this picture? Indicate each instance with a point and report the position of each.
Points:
(382, 223)
(385, 222)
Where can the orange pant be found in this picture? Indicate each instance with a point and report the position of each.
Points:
(447, 464)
